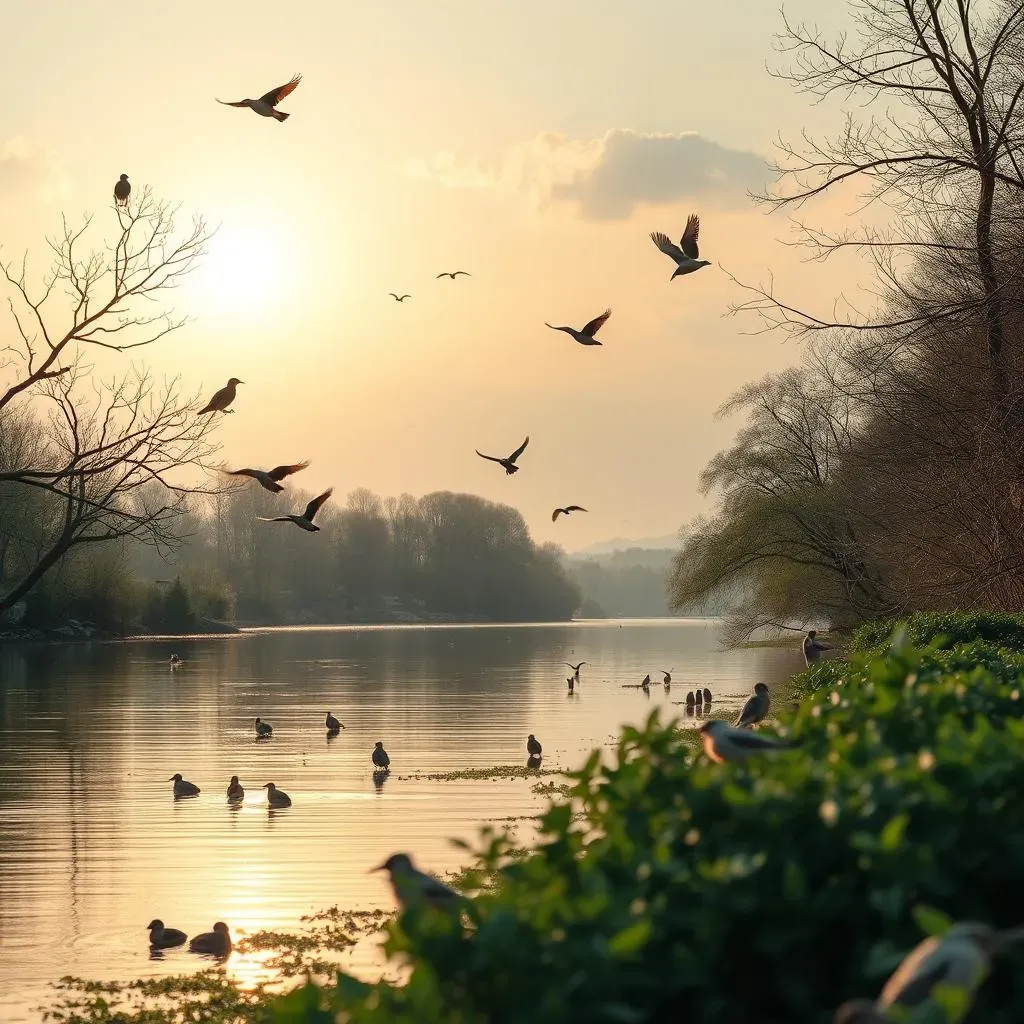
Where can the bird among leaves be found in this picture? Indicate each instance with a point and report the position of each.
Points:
(686, 253)
(266, 104)
(586, 336)
(509, 462)
(565, 511)
(415, 888)
(268, 479)
(305, 521)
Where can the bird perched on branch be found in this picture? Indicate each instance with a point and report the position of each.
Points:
(122, 190)
(268, 479)
(223, 398)
(756, 707)
(509, 463)
(685, 254)
(413, 888)
(265, 105)
(399, 298)
(586, 336)
(566, 511)
(452, 274)
(723, 742)
(305, 521)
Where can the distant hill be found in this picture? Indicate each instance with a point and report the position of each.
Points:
(620, 583)
(606, 547)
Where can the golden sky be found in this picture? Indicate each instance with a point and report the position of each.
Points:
(535, 144)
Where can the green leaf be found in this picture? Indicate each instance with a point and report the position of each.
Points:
(891, 837)
(930, 920)
(630, 939)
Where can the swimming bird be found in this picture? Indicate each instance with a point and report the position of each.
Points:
(333, 725)
(175, 661)
(235, 791)
(812, 648)
(380, 756)
(707, 695)
(182, 787)
(265, 105)
(510, 462)
(668, 677)
(756, 707)
(276, 797)
(533, 747)
(399, 298)
(164, 938)
(413, 887)
(566, 511)
(268, 479)
(959, 959)
(685, 254)
(263, 729)
(586, 336)
(452, 274)
(217, 942)
(223, 398)
(305, 521)
(122, 190)
(723, 742)
(576, 669)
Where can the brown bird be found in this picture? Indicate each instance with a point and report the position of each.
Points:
(586, 336)
(566, 511)
(223, 398)
(400, 298)
(452, 274)
(122, 190)
(305, 521)
(265, 105)
(508, 463)
(268, 479)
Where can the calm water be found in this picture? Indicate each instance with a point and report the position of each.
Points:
(92, 845)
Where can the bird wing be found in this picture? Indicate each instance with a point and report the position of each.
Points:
(596, 324)
(489, 458)
(748, 709)
(751, 741)
(254, 473)
(280, 472)
(393, 295)
(667, 246)
(444, 273)
(464, 273)
(232, 103)
(276, 519)
(519, 451)
(314, 506)
(557, 513)
(574, 508)
(276, 95)
(689, 240)
(220, 397)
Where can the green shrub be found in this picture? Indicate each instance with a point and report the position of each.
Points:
(671, 889)
(945, 629)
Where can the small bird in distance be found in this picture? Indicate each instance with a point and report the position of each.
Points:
(685, 254)
(509, 463)
(268, 479)
(400, 298)
(223, 398)
(265, 105)
(122, 190)
(576, 669)
(305, 521)
(586, 336)
(565, 511)
(452, 274)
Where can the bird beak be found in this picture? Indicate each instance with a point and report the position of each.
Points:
(171, 779)
(379, 867)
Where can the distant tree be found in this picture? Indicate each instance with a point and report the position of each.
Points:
(178, 614)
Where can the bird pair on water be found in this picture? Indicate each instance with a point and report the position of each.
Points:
(216, 942)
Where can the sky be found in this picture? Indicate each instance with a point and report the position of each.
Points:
(533, 144)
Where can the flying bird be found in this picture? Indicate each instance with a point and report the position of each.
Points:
(576, 668)
(723, 742)
(413, 887)
(586, 336)
(217, 942)
(685, 254)
(305, 521)
(182, 787)
(164, 938)
(265, 105)
(268, 479)
(235, 791)
(533, 747)
(277, 797)
(959, 959)
(452, 274)
(380, 756)
(263, 729)
(399, 298)
(333, 725)
(510, 462)
(756, 707)
(223, 398)
(122, 190)
(565, 511)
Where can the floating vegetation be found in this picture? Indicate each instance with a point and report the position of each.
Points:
(494, 774)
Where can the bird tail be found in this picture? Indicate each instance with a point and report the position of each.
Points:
(281, 115)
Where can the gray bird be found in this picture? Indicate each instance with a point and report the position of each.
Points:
(533, 747)
(122, 190)
(223, 398)
(960, 959)
(380, 756)
(453, 274)
(509, 462)
(685, 254)
(585, 336)
(182, 787)
(812, 648)
(276, 797)
(305, 521)
(164, 938)
(723, 742)
(265, 105)
(235, 791)
(565, 511)
(413, 887)
(263, 729)
(756, 707)
(217, 942)
(333, 725)
(268, 479)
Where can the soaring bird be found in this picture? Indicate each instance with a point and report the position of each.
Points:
(122, 190)
(509, 463)
(263, 729)
(576, 669)
(533, 747)
(164, 938)
(217, 942)
(565, 511)
(960, 959)
(265, 105)
(277, 797)
(685, 254)
(399, 298)
(756, 707)
(413, 887)
(452, 274)
(586, 336)
(305, 521)
(723, 742)
(268, 479)
(235, 791)
(380, 756)
(333, 725)
(182, 787)
(223, 398)
(812, 648)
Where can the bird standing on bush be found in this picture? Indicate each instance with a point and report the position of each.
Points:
(723, 742)
(413, 887)
(756, 707)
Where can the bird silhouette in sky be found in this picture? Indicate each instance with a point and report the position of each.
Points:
(305, 521)
(565, 511)
(399, 298)
(510, 461)
(122, 190)
(452, 274)
(223, 398)
(586, 336)
(686, 253)
(268, 479)
(266, 104)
